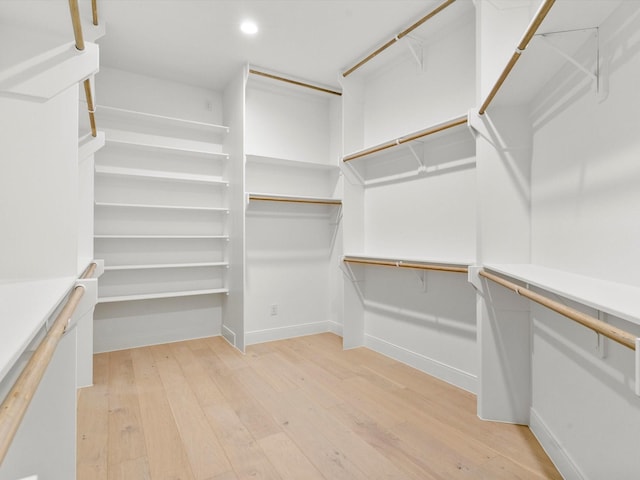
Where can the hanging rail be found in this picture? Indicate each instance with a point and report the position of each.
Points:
(89, 271)
(94, 11)
(528, 35)
(77, 32)
(273, 198)
(401, 35)
(293, 82)
(404, 264)
(17, 401)
(408, 138)
(598, 326)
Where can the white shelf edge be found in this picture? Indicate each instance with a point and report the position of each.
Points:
(161, 207)
(160, 237)
(163, 118)
(158, 175)
(159, 146)
(362, 152)
(153, 296)
(256, 159)
(165, 265)
(294, 198)
(391, 258)
(25, 307)
(616, 299)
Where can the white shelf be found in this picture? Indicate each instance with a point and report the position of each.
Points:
(165, 265)
(450, 262)
(449, 127)
(24, 309)
(162, 207)
(255, 196)
(162, 144)
(160, 120)
(159, 175)
(538, 63)
(152, 296)
(617, 299)
(161, 237)
(286, 163)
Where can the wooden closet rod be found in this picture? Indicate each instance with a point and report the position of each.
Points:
(403, 264)
(77, 32)
(402, 34)
(598, 326)
(269, 198)
(17, 401)
(407, 138)
(89, 271)
(94, 11)
(528, 35)
(294, 82)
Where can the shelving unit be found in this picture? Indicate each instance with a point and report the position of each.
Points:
(613, 298)
(556, 39)
(161, 214)
(432, 150)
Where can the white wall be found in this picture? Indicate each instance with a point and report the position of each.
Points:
(585, 202)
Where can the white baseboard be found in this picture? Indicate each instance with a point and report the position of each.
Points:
(563, 462)
(280, 333)
(444, 372)
(229, 335)
(335, 327)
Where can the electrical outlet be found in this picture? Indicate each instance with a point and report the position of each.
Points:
(274, 309)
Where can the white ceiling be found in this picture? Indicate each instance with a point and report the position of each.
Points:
(199, 42)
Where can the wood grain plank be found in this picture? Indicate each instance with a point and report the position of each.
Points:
(287, 458)
(206, 456)
(167, 457)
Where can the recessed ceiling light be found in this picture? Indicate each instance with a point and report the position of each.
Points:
(249, 27)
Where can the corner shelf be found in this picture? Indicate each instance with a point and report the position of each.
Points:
(161, 237)
(617, 299)
(256, 159)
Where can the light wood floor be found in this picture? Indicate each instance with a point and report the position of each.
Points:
(300, 409)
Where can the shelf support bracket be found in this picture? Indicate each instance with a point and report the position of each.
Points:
(355, 173)
(422, 278)
(421, 165)
(416, 48)
(348, 272)
(601, 346)
(595, 76)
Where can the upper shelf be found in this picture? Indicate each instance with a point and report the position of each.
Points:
(558, 32)
(617, 299)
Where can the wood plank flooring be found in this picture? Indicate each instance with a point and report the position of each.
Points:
(300, 409)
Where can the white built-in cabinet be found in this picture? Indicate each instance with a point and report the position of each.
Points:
(293, 210)
(161, 214)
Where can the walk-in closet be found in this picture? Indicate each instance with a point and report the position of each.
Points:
(319, 240)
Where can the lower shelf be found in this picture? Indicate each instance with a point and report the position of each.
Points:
(151, 296)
